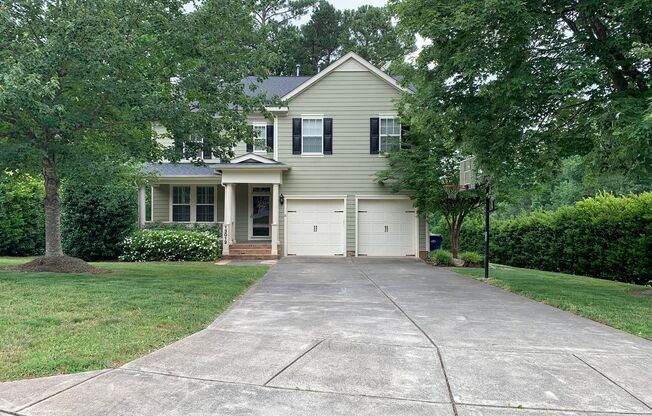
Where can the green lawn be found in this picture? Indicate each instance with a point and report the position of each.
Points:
(54, 323)
(620, 305)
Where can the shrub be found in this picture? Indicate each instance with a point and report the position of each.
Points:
(471, 258)
(97, 217)
(606, 237)
(22, 221)
(196, 226)
(441, 258)
(171, 245)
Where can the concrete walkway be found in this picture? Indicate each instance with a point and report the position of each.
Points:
(368, 337)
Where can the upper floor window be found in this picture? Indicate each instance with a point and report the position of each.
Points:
(312, 136)
(390, 134)
(260, 138)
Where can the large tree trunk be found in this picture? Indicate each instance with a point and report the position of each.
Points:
(52, 209)
(455, 238)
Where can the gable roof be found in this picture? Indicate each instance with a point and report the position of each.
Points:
(351, 56)
(252, 158)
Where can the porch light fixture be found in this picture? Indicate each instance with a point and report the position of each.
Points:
(281, 199)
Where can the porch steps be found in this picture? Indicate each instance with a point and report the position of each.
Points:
(248, 251)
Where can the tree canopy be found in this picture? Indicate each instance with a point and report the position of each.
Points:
(522, 84)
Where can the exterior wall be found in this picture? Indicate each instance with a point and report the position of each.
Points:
(241, 212)
(351, 99)
(241, 147)
(161, 201)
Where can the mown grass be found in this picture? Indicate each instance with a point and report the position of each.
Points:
(620, 305)
(54, 323)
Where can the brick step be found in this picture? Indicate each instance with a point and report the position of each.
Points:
(250, 250)
(238, 246)
(250, 257)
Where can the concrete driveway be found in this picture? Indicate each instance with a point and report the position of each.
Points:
(368, 337)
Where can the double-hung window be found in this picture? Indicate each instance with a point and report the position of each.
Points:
(260, 138)
(181, 203)
(312, 136)
(205, 208)
(390, 134)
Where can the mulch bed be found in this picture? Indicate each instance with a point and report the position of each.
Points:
(63, 264)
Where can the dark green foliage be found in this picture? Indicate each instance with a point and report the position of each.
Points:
(196, 226)
(21, 215)
(98, 216)
(607, 237)
(171, 245)
(471, 258)
(441, 258)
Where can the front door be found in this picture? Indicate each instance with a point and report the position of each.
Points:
(261, 213)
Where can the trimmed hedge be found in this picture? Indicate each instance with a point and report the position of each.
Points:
(22, 220)
(607, 237)
(171, 245)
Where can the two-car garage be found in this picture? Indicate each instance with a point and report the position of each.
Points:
(384, 226)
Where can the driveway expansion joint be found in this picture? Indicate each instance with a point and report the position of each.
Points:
(318, 343)
(614, 382)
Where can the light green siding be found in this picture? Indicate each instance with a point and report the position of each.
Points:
(241, 212)
(161, 203)
(350, 99)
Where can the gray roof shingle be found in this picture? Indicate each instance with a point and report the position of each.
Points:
(179, 169)
(273, 86)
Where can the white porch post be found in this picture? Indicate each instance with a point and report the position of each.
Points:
(275, 216)
(142, 206)
(228, 218)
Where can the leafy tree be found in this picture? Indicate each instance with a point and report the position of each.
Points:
(321, 37)
(81, 79)
(279, 12)
(21, 214)
(429, 169)
(522, 84)
(369, 32)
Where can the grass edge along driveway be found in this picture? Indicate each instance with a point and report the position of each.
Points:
(620, 305)
(53, 323)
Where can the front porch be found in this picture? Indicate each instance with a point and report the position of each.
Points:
(241, 199)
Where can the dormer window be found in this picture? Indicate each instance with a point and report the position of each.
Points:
(390, 134)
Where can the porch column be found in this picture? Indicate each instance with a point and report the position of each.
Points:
(228, 217)
(142, 206)
(275, 216)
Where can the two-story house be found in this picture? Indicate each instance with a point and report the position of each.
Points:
(306, 186)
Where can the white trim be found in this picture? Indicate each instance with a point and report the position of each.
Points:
(253, 145)
(351, 55)
(172, 204)
(151, 205)
(214, 204)
(275, 138)
(380, 134)
(250, 210)
(193, 203)
(385, 197)
(312, 117)
(253, 156)
(327, 197)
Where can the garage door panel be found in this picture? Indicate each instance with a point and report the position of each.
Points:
(386, 227)
(315, 227)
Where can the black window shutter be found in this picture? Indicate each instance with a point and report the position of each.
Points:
(270, 136)
(296, 136)
(405, 136)
(374, 135)
(328, 136)
(250, 147)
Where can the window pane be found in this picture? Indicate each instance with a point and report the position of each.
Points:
(312, 144)
(205, 195)
(205, 213)
(260, 138)
(181, 213)
(181, 195)
(312, 127)
(390, 144)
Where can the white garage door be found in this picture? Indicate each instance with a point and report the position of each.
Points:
(386, 227)
(315, 227)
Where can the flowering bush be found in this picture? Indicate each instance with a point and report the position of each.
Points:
(171, 245)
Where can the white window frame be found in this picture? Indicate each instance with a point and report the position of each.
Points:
(264, 149)
(173, 204)
(193, 203)
(380, 134)
(312, 117)
(197, 204)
